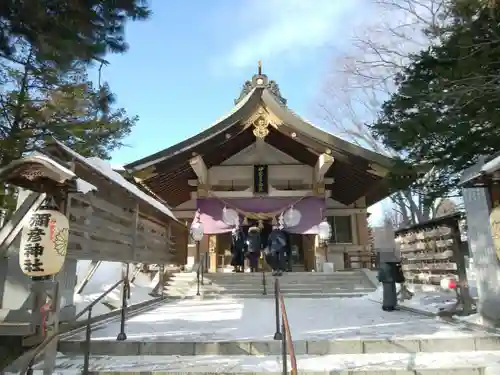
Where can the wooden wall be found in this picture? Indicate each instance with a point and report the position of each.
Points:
(108, 225)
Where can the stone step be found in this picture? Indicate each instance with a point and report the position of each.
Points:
(288, 282)
(283, 283)
(286, 291)
(285, 275)
(464, 363)
(312, 294)
(409, 344)
(290, 286)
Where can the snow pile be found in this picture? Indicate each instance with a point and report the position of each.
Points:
(107, 274)
(105, 169)
(232, 319)
(429, 302)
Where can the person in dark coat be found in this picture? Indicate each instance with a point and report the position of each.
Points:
(277, 246)
(238, 245)
(288, 253)
(254, 245)
(389, 274)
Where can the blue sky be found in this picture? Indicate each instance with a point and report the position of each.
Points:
(187, 64)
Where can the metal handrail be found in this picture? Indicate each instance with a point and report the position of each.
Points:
(200, 272)
(285, 335)
(98, 299)
(88, 309)
(264, 282)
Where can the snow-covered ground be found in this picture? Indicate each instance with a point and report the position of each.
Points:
(431, 301)
(389, 363)
(253, 319)
(106, 275)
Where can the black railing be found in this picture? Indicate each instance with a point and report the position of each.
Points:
(87, 310)
(122, 336)
(263, 266)
(283, 332)
(201, 268)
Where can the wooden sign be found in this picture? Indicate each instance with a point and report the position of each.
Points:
(495, 228)
(495, 217)
(260, 179)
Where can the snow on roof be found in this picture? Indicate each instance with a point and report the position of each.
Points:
(106, 170)
(118, 167)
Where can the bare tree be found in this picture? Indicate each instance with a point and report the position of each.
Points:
(362, 77)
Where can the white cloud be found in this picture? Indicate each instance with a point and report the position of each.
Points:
(286, 29)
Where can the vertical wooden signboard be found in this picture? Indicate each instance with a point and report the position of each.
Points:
(260, 179)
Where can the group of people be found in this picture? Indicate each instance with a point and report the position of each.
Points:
(276, 249)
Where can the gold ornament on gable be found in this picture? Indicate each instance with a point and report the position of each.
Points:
(261, 120)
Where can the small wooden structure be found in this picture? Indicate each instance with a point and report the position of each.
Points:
(433, 250)
(118, 221)
(481, 193)
(110, 219)
(429, 250)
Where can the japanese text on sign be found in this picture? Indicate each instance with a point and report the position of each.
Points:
(33, 249)
(260, 179)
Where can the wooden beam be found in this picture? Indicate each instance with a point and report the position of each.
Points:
(324, 163)
(378, 170)
(200, 168)
(136, 272)
(190, 214)
(11, 229)
(94, 265)
(326, 180)
(250, 194)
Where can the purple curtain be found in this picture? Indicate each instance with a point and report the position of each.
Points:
(209, 212)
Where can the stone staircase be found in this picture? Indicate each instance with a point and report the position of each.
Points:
(179, 285)
(448, 353)
(342, 336)
(293, 285)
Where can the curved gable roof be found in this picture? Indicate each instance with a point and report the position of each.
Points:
(265, 93)
(243, 108)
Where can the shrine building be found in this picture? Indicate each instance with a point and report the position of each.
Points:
(261, 165)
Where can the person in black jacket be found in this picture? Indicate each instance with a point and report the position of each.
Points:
(238, 245)
(389, 274)
(254, 245)
(288, 253)
(277, 246)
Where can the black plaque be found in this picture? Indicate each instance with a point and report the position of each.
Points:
(260, 179)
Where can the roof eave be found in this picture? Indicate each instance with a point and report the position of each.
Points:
(224, 124)
(312, 131)
(482, 168)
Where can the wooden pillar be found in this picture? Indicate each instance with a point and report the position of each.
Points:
(309, 251)
(362, 226)
(50, 352)
(212, 251)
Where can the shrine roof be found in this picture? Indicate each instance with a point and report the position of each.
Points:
(482, 172)
(104, 169)
(167, 172)
(253, 95)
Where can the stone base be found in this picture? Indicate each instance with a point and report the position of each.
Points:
(337, 258)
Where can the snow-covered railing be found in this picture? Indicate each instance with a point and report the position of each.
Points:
(118, 221)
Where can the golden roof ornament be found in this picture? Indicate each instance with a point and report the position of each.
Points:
(261, 80)
(260, 129)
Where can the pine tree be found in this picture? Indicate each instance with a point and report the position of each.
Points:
(445, 110)
(39, 102)
(63, 31)
(46, 47)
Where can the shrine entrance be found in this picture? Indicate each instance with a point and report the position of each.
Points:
(261, 160)
(301, 251)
